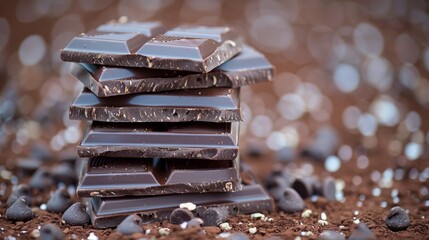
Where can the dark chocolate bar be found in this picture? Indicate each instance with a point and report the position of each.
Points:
(206, 105)
(195, 49)
(109, 212)
(190, 140)
(246, 68)
(115, 177)
(148, 29)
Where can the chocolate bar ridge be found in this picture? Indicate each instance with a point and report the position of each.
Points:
(246, 68)
(177, 49)
(190, 140)
(113, 177)
(205, 105)
(109, 212)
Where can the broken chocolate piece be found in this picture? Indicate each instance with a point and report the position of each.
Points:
(207, 105)
(190, 140)
(109, 212)
(138, 176)
(246, 68)
(195, 49)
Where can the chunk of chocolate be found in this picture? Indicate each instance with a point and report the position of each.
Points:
(190, 140)
(180, 215)
(246, 68)
(148, 29)
(109, 212)
(196, 49)
(206, 105)
(138, 176)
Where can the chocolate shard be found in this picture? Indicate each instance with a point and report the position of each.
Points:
(195, 49)
(148, 29)
(206, 105)
(109, 212)
(138, 177)
(190, 140)
(246, 68)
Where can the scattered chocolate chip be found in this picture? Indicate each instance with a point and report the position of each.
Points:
(214, 216)
(41, 152)
(41, 179)
(275, 185)
(286, 154)
(303, 186)
(255, 149)
(195, 222)
(27, 166)
(59, 201)
(76, 215)
(331, 235)
(397, 219)
(19, 211)
(180, 215)
(362, 232)
(291, 201)
(64, 173)
(51, 232)
(329, 189)
(21, 190)
(238, 236)
(130, 225)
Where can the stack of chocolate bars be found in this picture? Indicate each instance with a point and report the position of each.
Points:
(163, 112)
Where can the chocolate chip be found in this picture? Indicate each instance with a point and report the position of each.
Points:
(180, 215)
(275, 185)
(27, 166)
(214, 216)
(51, 232)
(195, 222)
(41, 179)
(238, 236)
(64, 173)
(329, 189)
(21, 190)
(130, 225)
(291, 201)
(41, 152)
(19, 211)
(286, 154)
(76, 215)
(397, 219)
(303, 186)
(331, 235)
(59, 201)
(362, 232)
(255, 149)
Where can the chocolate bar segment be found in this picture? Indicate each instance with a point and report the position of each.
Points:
(109, 212)
(246, 68)
(207, 105)
(195, 49)
(115, 177)
(190, 140)
(149, 29)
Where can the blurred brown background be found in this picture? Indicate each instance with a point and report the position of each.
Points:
(358, 66)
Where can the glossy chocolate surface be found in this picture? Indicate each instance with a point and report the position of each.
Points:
(115, 177)
(196, 49)
(190, 140)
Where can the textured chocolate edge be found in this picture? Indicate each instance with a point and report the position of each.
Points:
(106, 189)
(215, 78)
(153, 114)
(243, 207)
